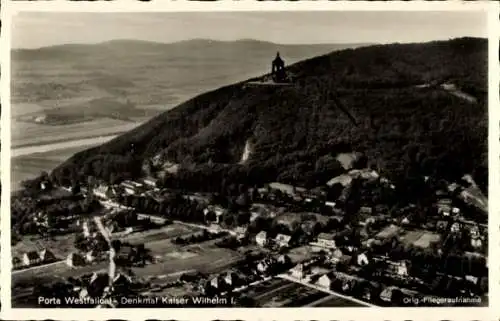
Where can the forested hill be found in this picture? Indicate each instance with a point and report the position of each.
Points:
(385, 101)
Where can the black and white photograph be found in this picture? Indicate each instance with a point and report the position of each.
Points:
(265, 159)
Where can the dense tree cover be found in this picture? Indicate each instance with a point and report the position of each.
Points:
(364, 100)
(54, 213)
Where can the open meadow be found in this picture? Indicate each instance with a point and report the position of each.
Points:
(171, 258)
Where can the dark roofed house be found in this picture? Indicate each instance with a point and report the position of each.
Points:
(34, 257)
(46, 256)
(16, 262)
(75, 259)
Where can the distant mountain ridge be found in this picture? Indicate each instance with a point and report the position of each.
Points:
(147, 73)
(196, 41)
(402, 128)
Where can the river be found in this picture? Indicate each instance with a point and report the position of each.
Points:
(35, 149)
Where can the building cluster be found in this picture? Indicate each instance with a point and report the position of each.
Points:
(33, 258)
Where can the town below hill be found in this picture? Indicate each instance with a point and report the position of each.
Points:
(353, 238)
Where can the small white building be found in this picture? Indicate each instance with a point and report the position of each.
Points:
(283, 240)
(298, 271)
(402, 269)
(261, 238)
(326, 281)
(90, 256)
(330, 204)
(362, 259)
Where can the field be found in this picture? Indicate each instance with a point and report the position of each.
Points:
(388, 231)
(172, 260)
(60, 245)
(28, 134)
(283, 293)
(421, 239)
(300, 254)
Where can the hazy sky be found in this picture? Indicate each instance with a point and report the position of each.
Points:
(31, 30)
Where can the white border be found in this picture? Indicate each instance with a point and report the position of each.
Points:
(10, 8)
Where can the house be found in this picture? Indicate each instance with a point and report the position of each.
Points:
(284, 259)
(240, 231)
(214, 228)
(122, 279)
(101, 191)
(171, 168)
(264, 265)
(261, 238)
(131, 187)
(365, 210)
(90, 256)
(46, 256)
(368, 174)
(298, 271)
(153, 218)
(282, 240)
(86, 229)
(31, 258)
(339, 257)
(444, 206)
(16, 262)
(215, 282)
(326, 280)
(258, 210)
(476, 243)
(232, 279)
(476, 238)
(370, 242)
(217, 210)
(471, 279)
(362, 259)
(326, 240)
(75, 259)
(344, 180)
(455, 227)
(287, 189)
(386, 294)
(399, 268)
(330, 204)
(150, 181)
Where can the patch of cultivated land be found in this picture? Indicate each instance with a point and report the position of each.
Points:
(29, 134)
(203, 257)
(284, 293)
(421, 238)
(60, 245)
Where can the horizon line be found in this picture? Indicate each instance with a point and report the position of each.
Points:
(234, 41)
